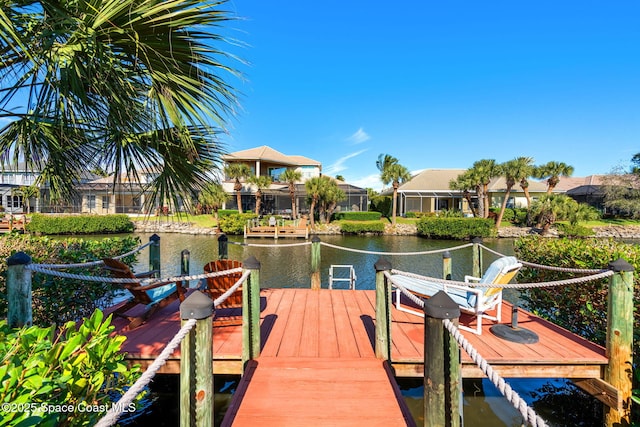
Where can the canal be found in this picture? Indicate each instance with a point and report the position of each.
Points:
(556, 400)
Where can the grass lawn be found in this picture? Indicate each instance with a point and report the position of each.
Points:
(197, 220)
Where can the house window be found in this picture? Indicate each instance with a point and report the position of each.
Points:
(14, 201)
(91, 201)
(105, 202)
(274, 173)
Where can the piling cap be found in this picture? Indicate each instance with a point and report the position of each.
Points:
(382, 264)
(19, 258)
(315, 239)
(441, 306)
(446, 254)
(476, 239)
(196, 306)
(251, 263)
(154, 238)
(620, 265)
(223, 237)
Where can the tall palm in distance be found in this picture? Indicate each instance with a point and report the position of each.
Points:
(314, 189)
(237, 172)
(510, 170)
(481, 173)
(465, 182)
(525, 169)
(392, 172)
(123, 85)
(213, 197)
(291, 177)
(262, 183)
(552, 171)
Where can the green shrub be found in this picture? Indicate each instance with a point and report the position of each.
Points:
(381, 204)
(44, 368)
(227, 212)
(455, 228)
(450, 213)
(79, 224)
(568, 230)
(362, 227)
(234, 224)
(57, 300)
(357, 216)
(581, 308)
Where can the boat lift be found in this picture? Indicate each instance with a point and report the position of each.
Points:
(351, 279)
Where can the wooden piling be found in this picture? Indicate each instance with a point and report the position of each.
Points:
(442, 373)
(154, 254)
(223, 246)
(19, 296)
(619, 341)
(315, 263)
(185, 266)
(476, 257)
(383, 310)
(251, 312)
(196, 368)
(446, 265)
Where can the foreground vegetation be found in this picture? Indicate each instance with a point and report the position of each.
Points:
(57, 300)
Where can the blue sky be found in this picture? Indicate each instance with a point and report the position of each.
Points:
(439, 84)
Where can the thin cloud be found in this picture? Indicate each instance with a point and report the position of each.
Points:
(339, 165)
(359, 137)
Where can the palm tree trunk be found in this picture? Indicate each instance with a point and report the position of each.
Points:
(293, 206)
(503, 207)
(395, 205)
(312, 213)
(481, 206)
(239, 201)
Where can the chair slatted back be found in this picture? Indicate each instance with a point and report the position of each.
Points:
(216, 286)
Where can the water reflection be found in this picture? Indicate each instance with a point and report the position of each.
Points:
(285, 266)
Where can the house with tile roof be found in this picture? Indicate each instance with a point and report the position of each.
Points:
(266, 161)
(429, 191)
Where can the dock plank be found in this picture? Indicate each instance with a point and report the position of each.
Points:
(313, 391)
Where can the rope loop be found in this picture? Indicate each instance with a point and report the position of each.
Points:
(112, 415)
(362, 251)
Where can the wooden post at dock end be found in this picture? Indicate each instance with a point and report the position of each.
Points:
(315, 263)
(446, 265)
(383, 310)
(477, 257)
(185, 266)
(196, 363)
(223, 246)
(442, 371)
(154, 254)
(19, 309)
(251, 312)
(619, 341)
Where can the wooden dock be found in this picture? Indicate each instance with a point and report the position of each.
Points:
(323, 340)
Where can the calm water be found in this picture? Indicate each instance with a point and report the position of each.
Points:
(557, 401)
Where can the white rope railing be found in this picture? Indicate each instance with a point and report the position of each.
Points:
(39, 269)
(546, 267)
(576, 280)
(512, 397)
(362, 251)
(116, 410)
(222, 298)
(93, 263)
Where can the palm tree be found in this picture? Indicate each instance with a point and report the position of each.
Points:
(27, 192)
(552, 171)
(330, 195)
(510, 171)
(291, 176)
(213, 197)
(121, 85)
(524, 169)
(464, 182)
(237, 172)
(483, 171)
(262, 183)
(551, 207)
(394, 173)
(314, 187)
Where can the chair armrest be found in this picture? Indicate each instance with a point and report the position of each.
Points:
(468, 278)
(146, 274)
